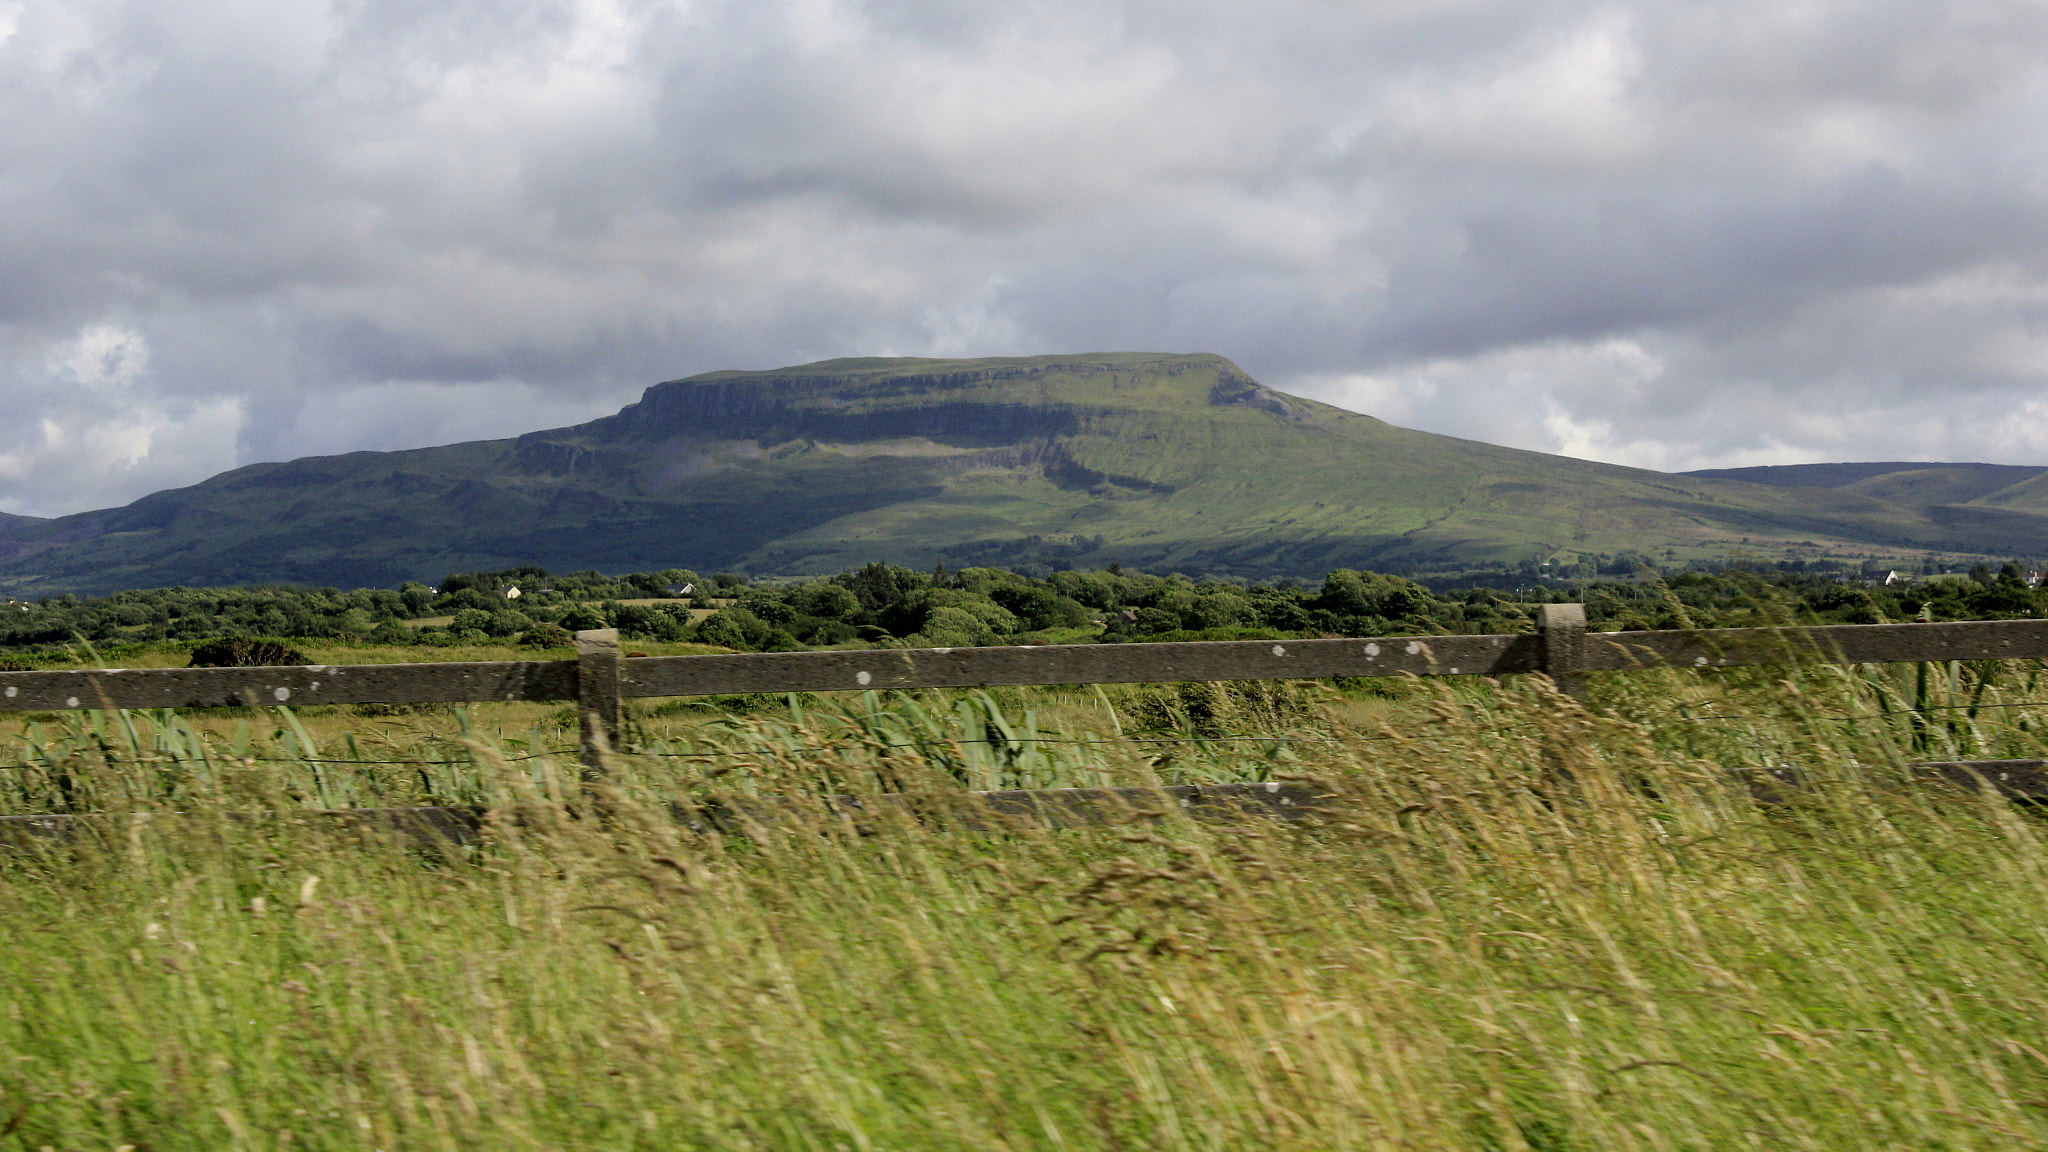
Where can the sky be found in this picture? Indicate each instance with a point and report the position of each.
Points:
(1670, 235)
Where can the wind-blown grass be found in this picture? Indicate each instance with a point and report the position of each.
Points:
(1525, 925)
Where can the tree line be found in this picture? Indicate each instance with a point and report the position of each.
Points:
(881, 604)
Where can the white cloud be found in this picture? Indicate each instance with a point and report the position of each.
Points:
(99, 430)
(1562, 105)
(1659, 234)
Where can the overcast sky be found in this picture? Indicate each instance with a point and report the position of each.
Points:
(1674, 235)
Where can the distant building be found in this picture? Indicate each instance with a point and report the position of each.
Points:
(681, 589)
(509, 592)
(1884, 579)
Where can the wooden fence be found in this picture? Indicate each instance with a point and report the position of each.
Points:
(599, 677)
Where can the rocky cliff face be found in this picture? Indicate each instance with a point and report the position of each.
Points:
(855, 401)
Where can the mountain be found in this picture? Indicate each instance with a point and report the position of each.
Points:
(1902, 482)
(1157, 461)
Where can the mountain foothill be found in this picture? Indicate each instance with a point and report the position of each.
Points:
(1154, 461)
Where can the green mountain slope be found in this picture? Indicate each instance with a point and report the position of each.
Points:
(1849, 475)
(1159, 461)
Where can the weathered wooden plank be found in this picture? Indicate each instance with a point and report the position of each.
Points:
(1010, 811)
(412, 827)
(309, 685)
(2024, 780)
(2014, 779)
(1566, 650)
(1078, 664)
(1961, 640)
(1847, 643)
(1017, 810)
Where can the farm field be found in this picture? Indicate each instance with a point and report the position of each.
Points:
(1526, 925)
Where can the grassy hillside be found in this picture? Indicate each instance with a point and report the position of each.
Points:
(1159, 461)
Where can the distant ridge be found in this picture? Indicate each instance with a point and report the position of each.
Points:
(10, 520)
(1160, 461)
(1843, 475)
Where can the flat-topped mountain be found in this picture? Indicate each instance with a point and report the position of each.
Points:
(1157, 461)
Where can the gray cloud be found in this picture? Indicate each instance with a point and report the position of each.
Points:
(1646, 232)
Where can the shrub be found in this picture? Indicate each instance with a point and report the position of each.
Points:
(243, 652)
(734, 628)
(547, 636)
(825, 601)
(952, 628)
(1363, 596)
(391, 632)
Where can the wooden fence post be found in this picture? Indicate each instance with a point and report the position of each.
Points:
(598, 672)
(1562, 653)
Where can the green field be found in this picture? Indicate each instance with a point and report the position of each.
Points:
(1529, 926)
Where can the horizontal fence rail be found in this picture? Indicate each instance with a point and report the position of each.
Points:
(771, 672)
(1844, 643)
(563, 680)
(599, 678)
(1020, 810)
(312, 684)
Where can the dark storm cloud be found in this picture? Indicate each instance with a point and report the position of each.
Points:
(1654, 233)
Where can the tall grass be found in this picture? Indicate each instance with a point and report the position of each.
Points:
(376, 756)
(1526, 925)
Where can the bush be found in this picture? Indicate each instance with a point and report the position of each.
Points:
(547, 636)
(243, 652)
(825, 601)
(391, 632)
(1360, 600)
(1039, 607)
(734, 628)
(952, 628)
